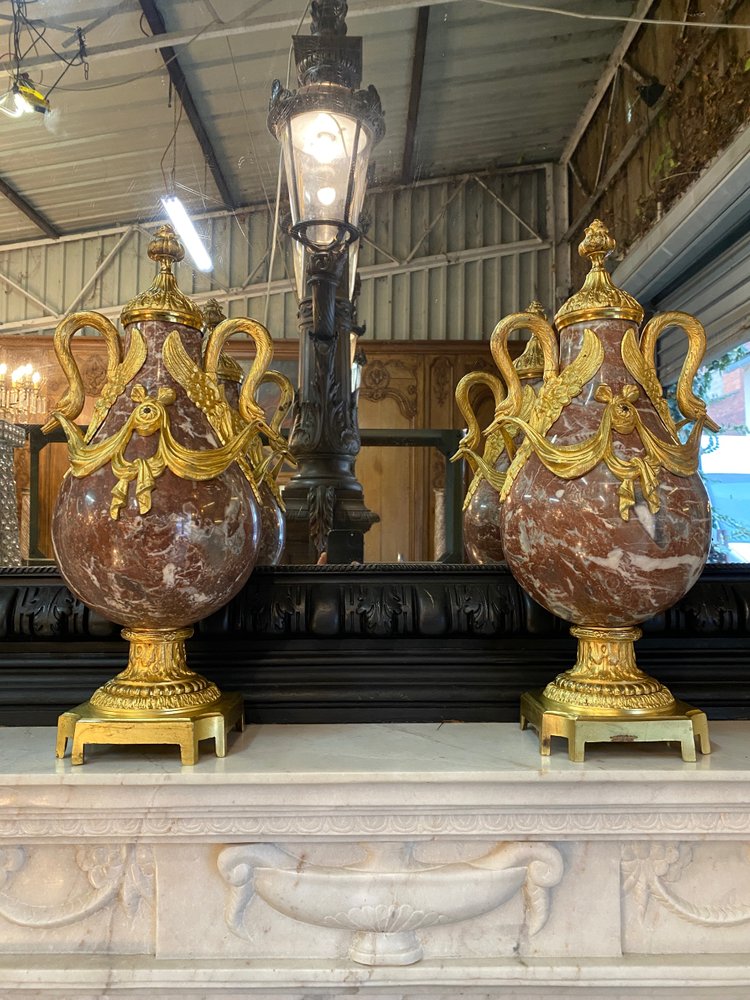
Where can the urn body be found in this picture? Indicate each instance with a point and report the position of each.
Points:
(193, 549)
(566, 541)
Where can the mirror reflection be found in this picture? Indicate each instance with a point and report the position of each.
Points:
(379, 237)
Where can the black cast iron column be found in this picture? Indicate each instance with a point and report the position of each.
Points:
(325, 495)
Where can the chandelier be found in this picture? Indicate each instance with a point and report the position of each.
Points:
(21, 392)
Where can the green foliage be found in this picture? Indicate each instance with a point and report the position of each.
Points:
(665, 163)
(704, 377)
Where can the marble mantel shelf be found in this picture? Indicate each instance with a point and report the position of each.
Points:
(393, 861)
(468, 779)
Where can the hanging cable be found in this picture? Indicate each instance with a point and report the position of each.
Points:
(618, 18)
(278, 181)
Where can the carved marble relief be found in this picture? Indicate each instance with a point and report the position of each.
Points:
(685, 897)
(388, 895)
(91, 898)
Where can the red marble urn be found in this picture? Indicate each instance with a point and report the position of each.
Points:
(157, 520)
(604, 518)
(482, 530)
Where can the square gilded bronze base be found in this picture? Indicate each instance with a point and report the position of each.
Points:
(85, 724)
(682, 724)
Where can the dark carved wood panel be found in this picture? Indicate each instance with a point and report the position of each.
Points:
(370, 644)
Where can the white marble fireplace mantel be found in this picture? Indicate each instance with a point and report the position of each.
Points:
(437, 862)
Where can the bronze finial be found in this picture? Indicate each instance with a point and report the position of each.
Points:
(227, 368)
(165, 248)
(599, 298)
(213, 314)
(597, 243)
(163, 300)
(536, 308)
(530, 364)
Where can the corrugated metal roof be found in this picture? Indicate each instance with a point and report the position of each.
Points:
(465, 259)
(500, 87)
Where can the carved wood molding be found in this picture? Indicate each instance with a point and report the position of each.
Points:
(392, 379)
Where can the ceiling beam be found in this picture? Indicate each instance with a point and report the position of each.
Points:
(39, 220)
(415, 94)
(606, 78)
(223, 29)
(180, 84)
(651, 115)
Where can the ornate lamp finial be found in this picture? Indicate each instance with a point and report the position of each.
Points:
(328, 17)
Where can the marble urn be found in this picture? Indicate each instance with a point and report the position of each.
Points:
(481, 515)
(604, 519)
(157, 521)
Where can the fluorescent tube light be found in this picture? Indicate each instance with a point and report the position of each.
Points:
(187, 233)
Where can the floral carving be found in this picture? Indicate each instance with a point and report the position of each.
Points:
(649, 870)
(378, 383)
(441, 379)
(122, 873)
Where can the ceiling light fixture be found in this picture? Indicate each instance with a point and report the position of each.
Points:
(23, 98)
(187, 232)
(21, 392)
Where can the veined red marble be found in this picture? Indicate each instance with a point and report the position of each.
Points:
(483, 536)
(565, 541)
(191, 552)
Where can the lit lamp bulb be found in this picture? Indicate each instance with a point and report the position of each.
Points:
(327, 195)
(322, 138)
(13, 104)
(36, 378)
(3, 369)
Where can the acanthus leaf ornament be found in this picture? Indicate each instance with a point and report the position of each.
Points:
(553, 396)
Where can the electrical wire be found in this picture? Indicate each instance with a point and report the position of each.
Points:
(278, 179)
(172, 144)
(618, 18)
(37, 31)
(508, 4)
(157, 70)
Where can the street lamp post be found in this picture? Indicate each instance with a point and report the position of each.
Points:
(327, 129)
